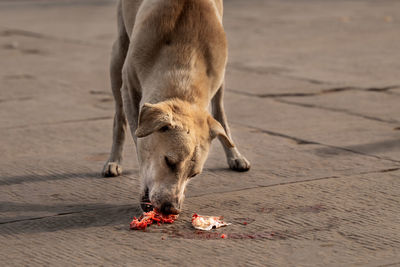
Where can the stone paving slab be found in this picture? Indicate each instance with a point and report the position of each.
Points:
(335, 41)
(84, 22)
(304, 124)
(327, 228)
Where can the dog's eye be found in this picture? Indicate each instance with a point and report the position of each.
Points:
(164, 129)
(193, 175)
(170, 164)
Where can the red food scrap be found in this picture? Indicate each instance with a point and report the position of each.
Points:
(224, 236)
(151, 217)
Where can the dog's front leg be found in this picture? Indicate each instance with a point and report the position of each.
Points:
(236, 161)
(112, 167)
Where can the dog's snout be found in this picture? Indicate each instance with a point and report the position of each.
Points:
(168, 208)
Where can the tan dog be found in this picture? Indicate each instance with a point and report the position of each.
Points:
(168, 63)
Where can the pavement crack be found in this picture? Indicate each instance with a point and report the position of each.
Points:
(390, 264)
(301, 141)
(18, 99)
(295, 94)
(338, 89)
(198, 195)
(57, 122)
(43, 217)
(369, 89)
(296, 182)
(384, 89)
(36, 35)
(273, 70)
(64, 214)
(27, 219)
(338, 110)
(272, 95)
(389, 170)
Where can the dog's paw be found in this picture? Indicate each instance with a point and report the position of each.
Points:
(239, 164)
(112, 169)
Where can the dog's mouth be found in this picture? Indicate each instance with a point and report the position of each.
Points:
(145, 203)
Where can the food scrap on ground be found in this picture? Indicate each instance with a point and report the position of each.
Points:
(149, 218)
(207, 222)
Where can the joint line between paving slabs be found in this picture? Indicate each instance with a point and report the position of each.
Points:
(338, 110)
(384, 89)
(64, 214)
(279, 98)
(206, 194)
(300, 141)
(273, 71)
(19, 32)
(296, 94)
(390, 264)
(300, 182)
(57, 122)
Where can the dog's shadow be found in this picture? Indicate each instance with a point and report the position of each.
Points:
(32, 178)
(57, 217)
(28, 217)
(71, 217)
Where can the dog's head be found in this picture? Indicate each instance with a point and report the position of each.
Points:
(173, 143)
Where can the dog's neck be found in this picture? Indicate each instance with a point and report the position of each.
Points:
(178, 84)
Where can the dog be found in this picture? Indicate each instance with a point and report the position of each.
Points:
(168, 64)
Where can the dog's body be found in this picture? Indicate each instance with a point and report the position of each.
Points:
(168, 64)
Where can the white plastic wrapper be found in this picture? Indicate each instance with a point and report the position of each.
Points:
(207, 223)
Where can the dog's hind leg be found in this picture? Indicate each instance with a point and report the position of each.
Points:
(236, 161)
(112, 167)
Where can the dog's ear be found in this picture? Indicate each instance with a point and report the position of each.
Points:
(216, 130)
(152, 117)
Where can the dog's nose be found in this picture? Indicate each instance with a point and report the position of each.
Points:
(146, 207)
(168, 208)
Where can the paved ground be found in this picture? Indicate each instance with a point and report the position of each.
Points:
(313, 99)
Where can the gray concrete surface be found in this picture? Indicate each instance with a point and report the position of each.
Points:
(313, 93)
